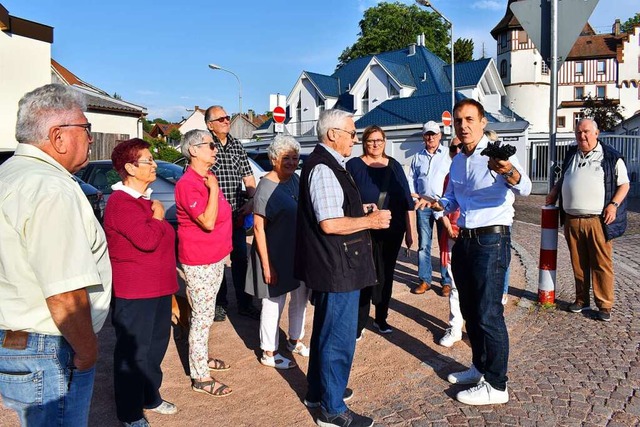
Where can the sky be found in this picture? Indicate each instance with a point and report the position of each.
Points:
(156, 53)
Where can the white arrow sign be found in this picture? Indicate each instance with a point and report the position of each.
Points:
(535, 18)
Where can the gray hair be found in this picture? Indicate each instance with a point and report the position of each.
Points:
(330, 119)
(282, 144)
(588, 119)
(193, 137)
(45, 107)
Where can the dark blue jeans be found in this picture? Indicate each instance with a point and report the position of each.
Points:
(479, 266)
(333, 342)
(238, 271)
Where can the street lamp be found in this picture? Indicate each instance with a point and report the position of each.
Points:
(217, 67)
(427, 3)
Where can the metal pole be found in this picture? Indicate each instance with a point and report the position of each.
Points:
(553, 107)
(217, 67)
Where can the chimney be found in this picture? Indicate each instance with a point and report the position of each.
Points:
(196, 108)
(423, 40)
(617, 28)
(251, 115)
(412, 49)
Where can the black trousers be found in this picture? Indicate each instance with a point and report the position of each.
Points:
(239, 265)
(143, 328)
(385, 254)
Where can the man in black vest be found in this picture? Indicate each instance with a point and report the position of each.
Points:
(334, 259)
(593, 191)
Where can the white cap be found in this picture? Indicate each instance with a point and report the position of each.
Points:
(431, 126)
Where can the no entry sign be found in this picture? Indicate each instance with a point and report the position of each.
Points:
(446, 118)
(279, 114)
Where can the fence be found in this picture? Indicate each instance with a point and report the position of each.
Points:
(104, 143)
(629, 146)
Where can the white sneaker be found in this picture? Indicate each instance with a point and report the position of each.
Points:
(483, 394)
(470, 376)
(299, 348)
(450, 338)
(359, 337)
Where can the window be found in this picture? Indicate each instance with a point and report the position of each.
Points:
(523, 38)
(503, 40)
(562, 121)
(579, 68)
(601, 92)
(392, 91)
(319, 103)
(364, 106)
(545, 68)
(601, 68)
(579, 93)
(503, 68)
(299, 116)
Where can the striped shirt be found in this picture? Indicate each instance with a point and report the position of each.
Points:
(326, 194)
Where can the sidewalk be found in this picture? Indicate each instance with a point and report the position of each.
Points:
(565, 369)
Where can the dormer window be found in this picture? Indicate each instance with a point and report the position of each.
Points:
(319, 103)
(392, 90)
(364, 106)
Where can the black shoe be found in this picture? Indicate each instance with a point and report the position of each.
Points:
(604, 315)
(221, 314)
(577, 307)
(346, 419)
(250, 311)
(348, 394)
(382, 327)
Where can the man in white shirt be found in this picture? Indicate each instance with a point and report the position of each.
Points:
(427, 172)
(55, 274)
(593, 190)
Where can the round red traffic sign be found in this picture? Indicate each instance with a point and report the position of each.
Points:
(279, 114)
(446, 118)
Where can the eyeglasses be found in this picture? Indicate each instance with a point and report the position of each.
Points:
(453, 148)
(149, 161)
(374, 142)
(212, 145)
(221, 119)
(350, 132)
(431, 135)
(86, 126)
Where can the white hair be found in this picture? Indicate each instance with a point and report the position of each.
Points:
(282, 144)
(331, 119)
(193, 137)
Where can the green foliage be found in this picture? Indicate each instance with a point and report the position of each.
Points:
(175, 135)
(163, 151)
(463, 50)
(605, 113)
(391, 26)
(116, 95)
(146, 125)
(159, 120)
(628, 25)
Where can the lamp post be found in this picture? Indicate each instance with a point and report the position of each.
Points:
(427, 3)
(217, 67)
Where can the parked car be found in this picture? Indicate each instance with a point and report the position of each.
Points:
(100, 174)
(258, 171)
(95, 196)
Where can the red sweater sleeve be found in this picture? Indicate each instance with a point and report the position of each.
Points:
(132, 218)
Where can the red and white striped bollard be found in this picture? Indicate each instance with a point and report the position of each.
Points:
(548, 255)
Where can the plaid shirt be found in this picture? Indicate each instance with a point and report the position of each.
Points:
(231, 166)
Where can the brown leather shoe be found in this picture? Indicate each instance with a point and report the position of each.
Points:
(421, 288)
(446, 290)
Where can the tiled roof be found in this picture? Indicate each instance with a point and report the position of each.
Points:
(162, 129)
(596, 46)
(468, 73)
(404, 111)
(400, 72)
(327, 85)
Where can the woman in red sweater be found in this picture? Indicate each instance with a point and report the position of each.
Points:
(204, 241)
(142, 252)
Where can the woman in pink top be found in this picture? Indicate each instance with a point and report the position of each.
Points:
(204, 241)
(142, 253)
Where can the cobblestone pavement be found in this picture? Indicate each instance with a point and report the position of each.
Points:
(565, 369)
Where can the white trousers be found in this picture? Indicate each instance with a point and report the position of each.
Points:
(455, 316)
(272, 312)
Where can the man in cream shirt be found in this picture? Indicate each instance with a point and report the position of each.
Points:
(55, 275)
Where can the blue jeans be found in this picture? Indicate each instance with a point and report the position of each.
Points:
(41, 384)
(425, 234)
(333, 342)
(479, 266)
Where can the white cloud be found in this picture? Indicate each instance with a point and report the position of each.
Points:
(489, 4)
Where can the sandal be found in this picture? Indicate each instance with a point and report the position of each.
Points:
(218, 365)
(298, 348)
(209, 387)
(277, 361)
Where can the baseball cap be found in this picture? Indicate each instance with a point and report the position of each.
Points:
(431, 126)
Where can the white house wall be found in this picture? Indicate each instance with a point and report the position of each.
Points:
(109, 123)
(25, 64)
(195, 121)
(531, 101)
(629, 71)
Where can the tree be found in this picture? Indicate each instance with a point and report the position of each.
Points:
(146, 125)
(603, 111)
(391, 26)
(159, 120)
(162, 151)
(175, 135)
(628, 25)
(463, 50)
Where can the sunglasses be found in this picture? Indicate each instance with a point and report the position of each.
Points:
(454, 148)
(221, 119)
(212, 145)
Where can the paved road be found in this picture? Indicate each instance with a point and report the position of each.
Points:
(565, 369)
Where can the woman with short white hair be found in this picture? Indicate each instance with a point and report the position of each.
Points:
(270, 275)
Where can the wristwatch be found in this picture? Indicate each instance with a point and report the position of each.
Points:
(510, 173)
(616, 204)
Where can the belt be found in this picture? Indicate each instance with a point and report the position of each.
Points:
(582, 216)
(471, 233)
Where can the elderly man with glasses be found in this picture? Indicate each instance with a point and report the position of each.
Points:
(232, 169)
(334, 259)
(55, 274)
